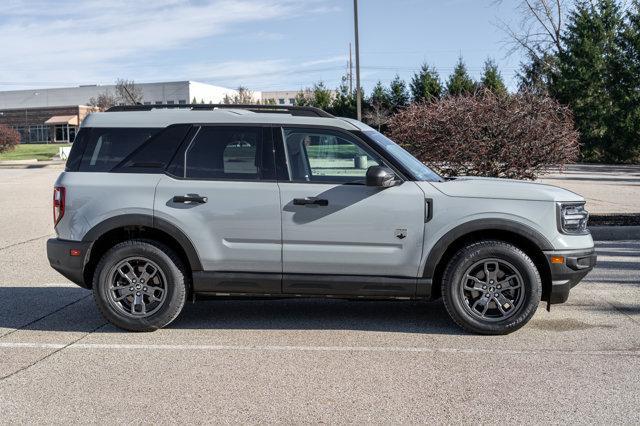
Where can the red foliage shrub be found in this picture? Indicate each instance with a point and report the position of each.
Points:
(9, 138)
(513, 136)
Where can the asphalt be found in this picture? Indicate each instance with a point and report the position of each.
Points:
(304, 361)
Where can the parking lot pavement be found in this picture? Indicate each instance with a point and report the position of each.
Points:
(607, 188)
(300, 361)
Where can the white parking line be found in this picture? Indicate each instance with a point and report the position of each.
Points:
(269, 348)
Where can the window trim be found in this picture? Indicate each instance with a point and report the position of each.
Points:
(281, 151)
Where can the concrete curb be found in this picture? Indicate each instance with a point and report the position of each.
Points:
(27, 164)
(615, 233)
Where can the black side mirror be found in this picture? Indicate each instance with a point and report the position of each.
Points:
(382, 177)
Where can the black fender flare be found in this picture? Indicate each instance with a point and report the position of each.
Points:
(518, 228)
(148, 221)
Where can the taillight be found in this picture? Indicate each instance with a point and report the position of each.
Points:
(58, 203)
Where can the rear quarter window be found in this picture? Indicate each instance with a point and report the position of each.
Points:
(104, 148)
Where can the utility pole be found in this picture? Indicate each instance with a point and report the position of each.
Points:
(358, 91)
(350, 71)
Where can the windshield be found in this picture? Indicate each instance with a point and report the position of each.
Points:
(417, 169)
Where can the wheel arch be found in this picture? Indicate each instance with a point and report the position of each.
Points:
(532, 242)
(111, 231)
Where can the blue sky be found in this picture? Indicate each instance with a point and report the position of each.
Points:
(262, 44)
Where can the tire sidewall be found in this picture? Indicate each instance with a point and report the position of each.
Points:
(466, 258)
(175, 285)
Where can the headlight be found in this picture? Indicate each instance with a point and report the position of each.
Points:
(572, 218)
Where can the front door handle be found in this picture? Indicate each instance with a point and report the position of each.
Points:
(190, 198)
(310, 201)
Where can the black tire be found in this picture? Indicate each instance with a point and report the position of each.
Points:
(459, 298)
(170, 268)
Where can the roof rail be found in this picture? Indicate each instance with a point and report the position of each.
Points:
(305, 111)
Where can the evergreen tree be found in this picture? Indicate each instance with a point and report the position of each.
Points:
(344, 103)
(398, 94)
(321, 96)
(624, 87)
(426, 84)
(492, 79)
(584, 72)
(459, 82)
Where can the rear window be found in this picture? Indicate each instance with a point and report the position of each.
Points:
(101, 149)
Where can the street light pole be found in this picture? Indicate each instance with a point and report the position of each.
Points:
(358, 91)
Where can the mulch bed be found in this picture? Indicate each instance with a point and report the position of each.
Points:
(616, 219)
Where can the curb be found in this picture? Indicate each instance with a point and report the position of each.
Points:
(30, 164)
(615, 233)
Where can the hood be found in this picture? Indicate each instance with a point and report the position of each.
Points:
(481, 187)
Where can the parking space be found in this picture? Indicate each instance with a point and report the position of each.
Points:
(304, 360)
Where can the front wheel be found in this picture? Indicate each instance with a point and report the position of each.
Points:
(491, 287)
(139, 285)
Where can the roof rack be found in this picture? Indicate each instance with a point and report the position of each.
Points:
(305, 111)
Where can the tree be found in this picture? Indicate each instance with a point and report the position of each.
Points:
(492, 79)
(318, 96)
(398, 95)
(344, 102)
(425, 84)
(584, 71)
(103, 101)
(194, 100)
(511, 136)
(127, 93)
(459, 82)
(379, 108)
(243, 96)
(9, 138)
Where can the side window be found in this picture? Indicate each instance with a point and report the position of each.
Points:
(326, 156)
(104, 148)
(233, 153)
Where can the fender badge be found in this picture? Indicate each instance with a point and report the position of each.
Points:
(401, 233)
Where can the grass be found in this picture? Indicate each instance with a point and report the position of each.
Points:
(41, 152)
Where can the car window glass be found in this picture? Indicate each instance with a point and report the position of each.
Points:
(222, 153)
(326, 156)
(107, 147)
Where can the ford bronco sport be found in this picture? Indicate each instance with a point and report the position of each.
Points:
(159, 205)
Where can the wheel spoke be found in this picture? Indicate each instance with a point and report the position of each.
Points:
(505, 305)
(124, 292)
(491, 269)
(130, 275)
(152, 291)
(148, 272)
(507, 284)
(477, 284)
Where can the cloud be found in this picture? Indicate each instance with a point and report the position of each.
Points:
(88, 41)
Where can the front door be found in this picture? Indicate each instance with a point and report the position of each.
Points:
(335, 225)
(221, 192)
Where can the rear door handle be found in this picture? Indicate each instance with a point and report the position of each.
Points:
(190, 198)
(310, 201)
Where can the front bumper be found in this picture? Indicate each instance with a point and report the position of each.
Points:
(567, 268)
(60, 258)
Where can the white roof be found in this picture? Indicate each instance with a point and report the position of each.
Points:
(165, 117)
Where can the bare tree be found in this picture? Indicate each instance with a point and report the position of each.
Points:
(103, 101)
(128, 93)
(378, 114)
(539, 31)
(243, 97)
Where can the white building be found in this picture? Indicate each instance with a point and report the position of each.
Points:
(177, 92)
(281, 97)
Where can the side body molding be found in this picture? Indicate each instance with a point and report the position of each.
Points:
(525, 231)
(137, 220)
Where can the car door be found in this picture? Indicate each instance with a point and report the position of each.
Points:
(340, 236)
(221, 192)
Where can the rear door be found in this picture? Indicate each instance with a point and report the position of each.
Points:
(333, 224)
(221, 192)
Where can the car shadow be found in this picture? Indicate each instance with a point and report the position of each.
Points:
(69, 309)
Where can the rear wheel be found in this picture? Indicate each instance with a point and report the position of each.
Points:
(491, 287)
(139, 285)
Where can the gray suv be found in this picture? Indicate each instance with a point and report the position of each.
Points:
(159, 205)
